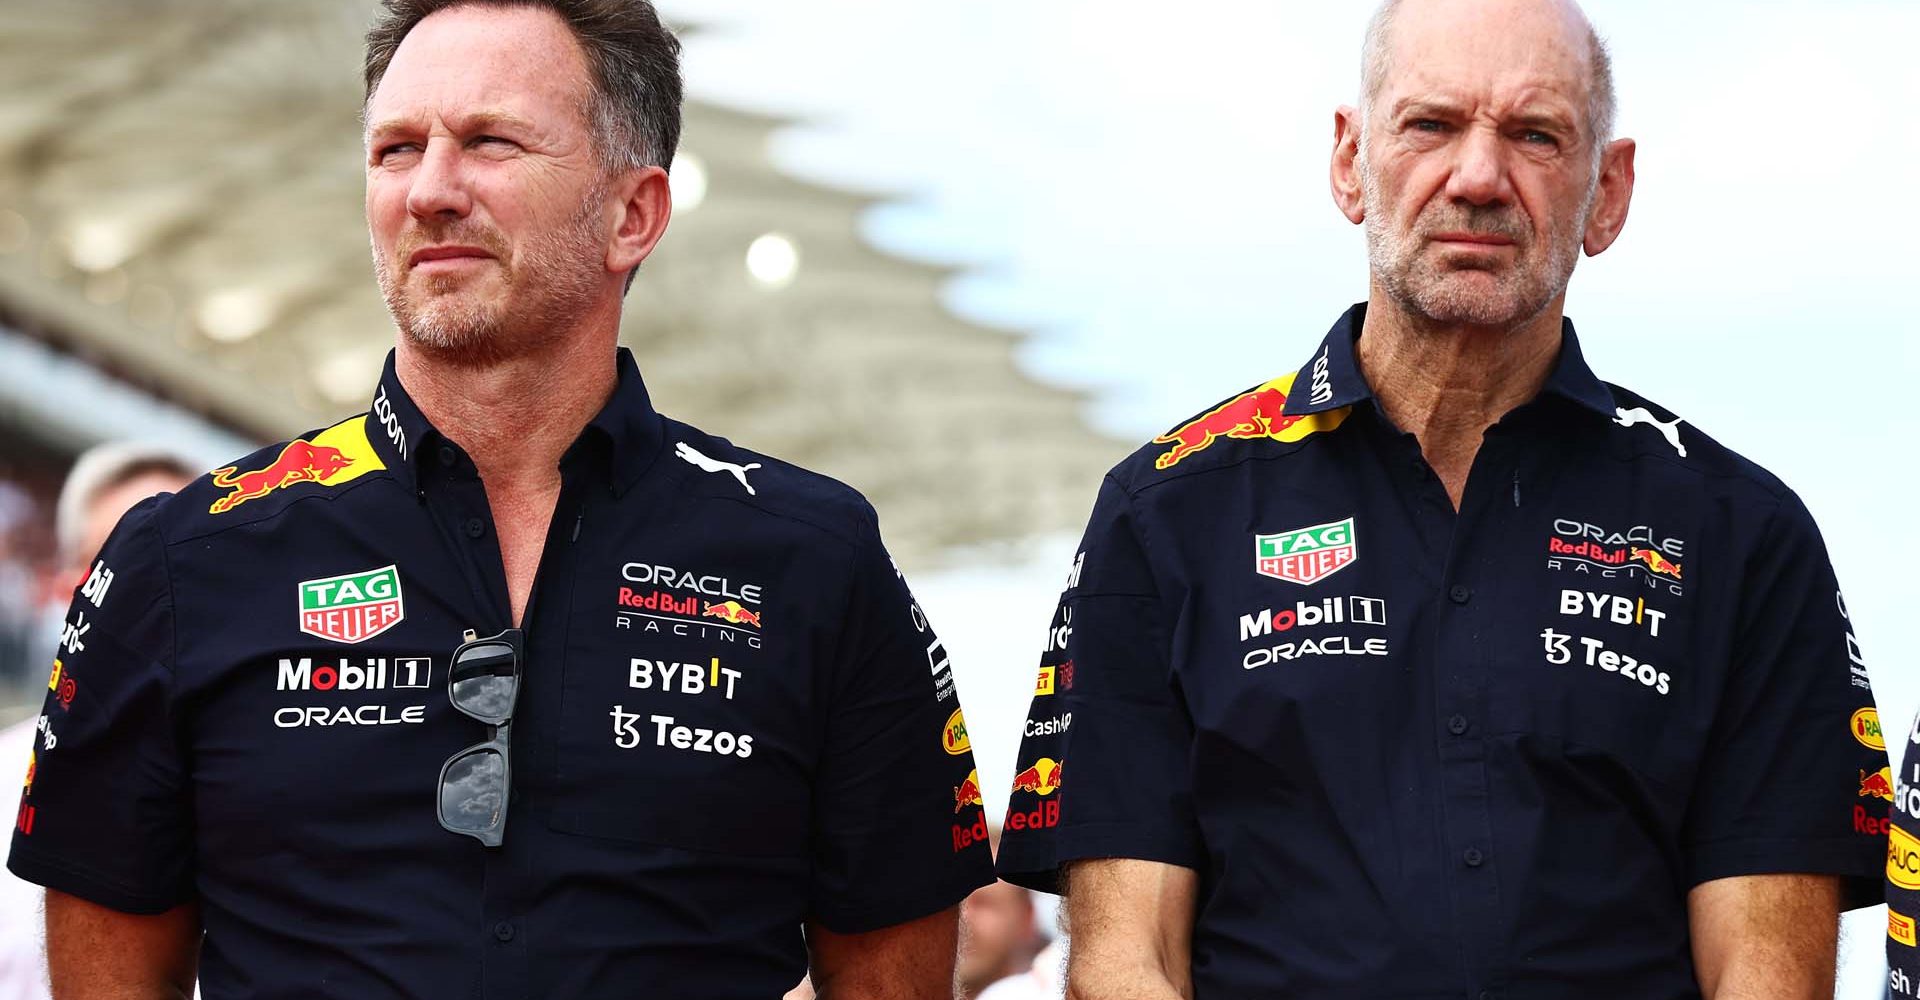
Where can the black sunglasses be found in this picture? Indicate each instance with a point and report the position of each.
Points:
(483, 681)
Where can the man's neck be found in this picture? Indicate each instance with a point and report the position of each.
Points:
(1447, 385)
(517, 416)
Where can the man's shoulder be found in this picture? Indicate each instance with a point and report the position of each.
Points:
(322, 464)
(1246, 426)
(740, 482)
(1645, 430)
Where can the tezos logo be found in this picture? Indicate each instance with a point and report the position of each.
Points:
(352, 607)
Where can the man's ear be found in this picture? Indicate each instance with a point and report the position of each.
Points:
(1345, 170)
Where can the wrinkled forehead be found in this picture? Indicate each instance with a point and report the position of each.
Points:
(482, 61)
(1503, 53)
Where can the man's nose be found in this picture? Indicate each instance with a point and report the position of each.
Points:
(1480, 174)
(439, 186)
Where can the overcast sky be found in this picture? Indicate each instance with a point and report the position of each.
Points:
(1143, 186)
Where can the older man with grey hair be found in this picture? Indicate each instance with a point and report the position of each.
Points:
(1438, 667)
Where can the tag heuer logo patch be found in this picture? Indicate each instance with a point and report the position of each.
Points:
(353, 607)
(1306, 555)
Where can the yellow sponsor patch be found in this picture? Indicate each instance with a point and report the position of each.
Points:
(953, 736)
(1866, 728)
(1044, 684)
(1900, 928)
(1903, 858)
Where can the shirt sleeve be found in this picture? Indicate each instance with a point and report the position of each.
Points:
(1104, 699)
(897, 832)
(103, 810)
(1903, 872)
(1795, 776)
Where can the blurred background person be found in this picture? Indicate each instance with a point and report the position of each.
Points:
(106, 481)
(1000, 933)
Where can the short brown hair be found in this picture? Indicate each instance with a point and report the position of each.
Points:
(634, 61)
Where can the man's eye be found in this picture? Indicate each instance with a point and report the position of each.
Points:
(1427, 125)
(1537, 137)
(396, 148)
(493, 140)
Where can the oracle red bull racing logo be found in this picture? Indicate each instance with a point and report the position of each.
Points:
(1250, 416)
(337, 455)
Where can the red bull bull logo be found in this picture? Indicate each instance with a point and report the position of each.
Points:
(968, 794)
(337, 455)
(1043, 778)
(1249, 416)
(1878, 785)
(733, 613)
(1656, 562)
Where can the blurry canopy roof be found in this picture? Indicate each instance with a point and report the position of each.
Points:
(181, 200)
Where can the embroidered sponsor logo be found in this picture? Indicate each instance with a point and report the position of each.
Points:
(352, 607)
(1306, 555)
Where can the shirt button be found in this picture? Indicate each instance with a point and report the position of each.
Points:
(447, 456)
(503, 930)
(1460, 594)
(1472, 857)
(476, 527)
(1457, 725)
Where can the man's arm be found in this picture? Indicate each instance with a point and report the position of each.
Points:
(94, 953)
(1765, 937)
(910, 961)
(1132, 926)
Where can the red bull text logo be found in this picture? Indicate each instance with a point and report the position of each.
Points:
(733, 613)
(1254, 415)
(335, 456)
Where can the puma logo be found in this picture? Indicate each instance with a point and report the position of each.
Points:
(1639, 415)
(691, 455)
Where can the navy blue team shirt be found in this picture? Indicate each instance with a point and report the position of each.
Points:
(1417, 753)
(734, 718)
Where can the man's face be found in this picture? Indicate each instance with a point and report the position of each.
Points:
(1477, 174)
(485, 194)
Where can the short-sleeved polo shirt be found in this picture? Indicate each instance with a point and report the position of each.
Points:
(734, 719)
(1419, 752)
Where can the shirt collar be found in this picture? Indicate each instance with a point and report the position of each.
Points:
(1331, 378)
(627, 424)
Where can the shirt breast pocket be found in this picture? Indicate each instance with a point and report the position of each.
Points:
(1608, 687)
(683, 748)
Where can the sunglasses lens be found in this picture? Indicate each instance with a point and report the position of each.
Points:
(473, 792)
(483, 681)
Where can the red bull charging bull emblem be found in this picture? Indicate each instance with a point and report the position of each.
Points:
(1878, 785)
(335, 456)
(1656, 562)
(1042, 779)
(732, 612)
(1247, 417)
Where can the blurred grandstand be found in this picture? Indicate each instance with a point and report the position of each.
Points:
(183, 258)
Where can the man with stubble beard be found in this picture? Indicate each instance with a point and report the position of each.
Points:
(1438, 667)
(511, 687)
